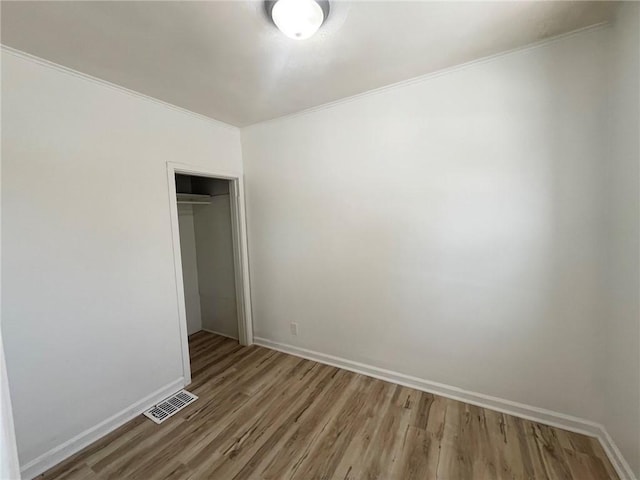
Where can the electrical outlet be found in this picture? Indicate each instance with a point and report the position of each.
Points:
(294, 329)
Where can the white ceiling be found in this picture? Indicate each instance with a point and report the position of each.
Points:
(227, 61)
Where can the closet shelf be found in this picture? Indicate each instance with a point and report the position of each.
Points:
(193, 199)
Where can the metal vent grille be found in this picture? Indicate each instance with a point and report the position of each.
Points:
(170, 406)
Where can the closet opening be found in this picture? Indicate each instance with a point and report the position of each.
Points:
(210, 260)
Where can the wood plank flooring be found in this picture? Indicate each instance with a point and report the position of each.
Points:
(267, 415)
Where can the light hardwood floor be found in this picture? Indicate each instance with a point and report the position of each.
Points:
(267, 415)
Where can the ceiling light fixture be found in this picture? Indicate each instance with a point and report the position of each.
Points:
(298, 19)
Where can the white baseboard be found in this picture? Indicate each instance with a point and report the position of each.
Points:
(615, 456)
(219, 333)
(541, 415)
(547, 417)
(64, 450)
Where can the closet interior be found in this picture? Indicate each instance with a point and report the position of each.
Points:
(206, 246)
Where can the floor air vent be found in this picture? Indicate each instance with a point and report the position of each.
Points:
(170, 406)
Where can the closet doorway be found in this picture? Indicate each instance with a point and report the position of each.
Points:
(210, 256)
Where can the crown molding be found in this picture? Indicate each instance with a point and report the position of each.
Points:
(70, 71)
(430, 75)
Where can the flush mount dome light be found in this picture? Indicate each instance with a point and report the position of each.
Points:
(298, 19)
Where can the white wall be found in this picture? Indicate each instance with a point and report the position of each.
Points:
(90, 314)
(9, 464)
(189, 268)
(622, 328)
(216, 276)
(446, 229)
